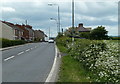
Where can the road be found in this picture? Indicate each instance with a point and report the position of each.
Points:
(29, 63)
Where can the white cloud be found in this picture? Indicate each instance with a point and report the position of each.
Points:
(7, 9)
(38, 13)
(112, 30)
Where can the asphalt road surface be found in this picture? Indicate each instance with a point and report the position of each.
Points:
(28, 63)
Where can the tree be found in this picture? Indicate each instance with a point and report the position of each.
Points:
(99, 33)
(59, 35)
(70, 32)
(85, 35)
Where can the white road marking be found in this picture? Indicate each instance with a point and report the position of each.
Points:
(20, 53)
(27, 50)
(53, 67)
(31, 48)
(9, 58)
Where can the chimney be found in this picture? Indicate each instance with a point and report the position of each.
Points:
(80, 25)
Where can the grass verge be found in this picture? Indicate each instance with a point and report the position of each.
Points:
(72, 71)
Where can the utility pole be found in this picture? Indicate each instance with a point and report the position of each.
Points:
(72, 20)
(49, 32)
(26, 22)
(58, 19)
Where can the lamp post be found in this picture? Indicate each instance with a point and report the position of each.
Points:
(58, 16)
(56, 22)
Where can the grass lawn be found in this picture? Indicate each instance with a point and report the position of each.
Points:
(72, 71)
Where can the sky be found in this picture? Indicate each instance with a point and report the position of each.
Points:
(92, 13)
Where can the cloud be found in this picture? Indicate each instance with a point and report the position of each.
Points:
(7, 9)
(38, 13)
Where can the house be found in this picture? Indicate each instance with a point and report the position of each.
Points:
(25, 35)
(6, 31)
(75, 32)
(20, 32)
(39, 35)
(17, 32)
(31, 32)
(80, 28)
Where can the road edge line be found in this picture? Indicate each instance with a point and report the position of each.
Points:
(53, 67)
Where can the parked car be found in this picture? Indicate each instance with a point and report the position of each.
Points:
(50, 41)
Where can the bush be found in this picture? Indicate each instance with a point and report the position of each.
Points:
(8, 43)
(63, 41)
(115, 38)
(99, 57)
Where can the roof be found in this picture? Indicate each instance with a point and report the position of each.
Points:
(12, 25)
(82, 29)
(41, 32)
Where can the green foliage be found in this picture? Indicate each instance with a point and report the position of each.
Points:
(59, 35)
(72, 71)
(8, 43)
(63, 41)
(85, 35)
(70, 31)
(115, 38)
(97, 56)
(99, 33)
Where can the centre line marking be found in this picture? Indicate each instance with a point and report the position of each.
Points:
(27, 50)
(9, 58)
(20, 53)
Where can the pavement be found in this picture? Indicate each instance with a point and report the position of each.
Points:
(30, 63)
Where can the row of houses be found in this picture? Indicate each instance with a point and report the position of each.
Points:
(12, 31)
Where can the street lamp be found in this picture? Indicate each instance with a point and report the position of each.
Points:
(55, 20)
(58, 15)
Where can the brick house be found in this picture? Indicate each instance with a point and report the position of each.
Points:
(25, 35)
(31, 32)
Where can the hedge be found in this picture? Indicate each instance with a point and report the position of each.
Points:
(7, 43)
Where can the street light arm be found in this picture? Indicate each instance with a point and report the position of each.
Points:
(53, 19)
(50, 4)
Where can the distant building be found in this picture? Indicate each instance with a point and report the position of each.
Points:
(76, 30)
(39, 35)
(80, 28)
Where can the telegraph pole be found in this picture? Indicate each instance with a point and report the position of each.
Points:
(49, 32)
(72, 20)
(26, 22)
(58, 19)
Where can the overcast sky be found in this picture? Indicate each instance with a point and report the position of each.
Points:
(92, 14)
